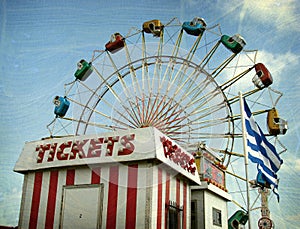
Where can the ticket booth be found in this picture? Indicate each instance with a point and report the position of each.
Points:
(124, 179)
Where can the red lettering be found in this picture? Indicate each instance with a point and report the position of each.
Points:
(88, 148)
(95, 148)
(127, 146)
(77, 149)
(110, 144)
(61, 155)
(41, 152)
(179, 157)
(52, 152)
(168, 148)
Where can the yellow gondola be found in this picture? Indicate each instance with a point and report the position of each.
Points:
(154, 26)
(276, 125)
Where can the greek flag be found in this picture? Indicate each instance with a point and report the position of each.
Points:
(261, 152)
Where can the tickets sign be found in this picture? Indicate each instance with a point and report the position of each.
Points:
(117, 146)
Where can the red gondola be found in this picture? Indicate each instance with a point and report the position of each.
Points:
(116, 43)
(263, 77)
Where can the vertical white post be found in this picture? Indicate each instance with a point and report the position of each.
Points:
(245, 156)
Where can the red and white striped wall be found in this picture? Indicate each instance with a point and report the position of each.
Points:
(136, 195)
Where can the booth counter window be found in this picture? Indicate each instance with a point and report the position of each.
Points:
(217, 217)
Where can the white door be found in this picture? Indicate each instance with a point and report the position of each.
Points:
(81, 206)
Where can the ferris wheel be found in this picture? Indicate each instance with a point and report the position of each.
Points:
(182, 78)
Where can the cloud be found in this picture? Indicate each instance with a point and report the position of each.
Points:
(277, 63)
(294, 217)
(291, 164)
(279, 13)
(297, 164)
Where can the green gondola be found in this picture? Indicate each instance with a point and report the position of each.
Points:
(238, 218)
(235, 43)
(84, 69)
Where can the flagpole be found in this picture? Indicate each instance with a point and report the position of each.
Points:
(245, 156)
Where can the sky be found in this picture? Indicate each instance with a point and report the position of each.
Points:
(41, 42)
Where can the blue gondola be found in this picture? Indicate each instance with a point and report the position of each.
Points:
(195, 27)
(61, 106)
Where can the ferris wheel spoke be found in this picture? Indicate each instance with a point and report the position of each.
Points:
(254, 113)
(160, 83)
(145, 78)
(177, 44)
(207, 98)
(131, 113)
(120, 78)
(209, 111)
(145, 66)
(198, 137)
(106, 102)
(193, 75)
(152, 118)
(194, 48)
(223, 65)
(169, 23)
(171, 38)
(252, 59)
(212, 28)
(198, 123)
(157, 67)
(166, 114)
(132, 72)
(209, 55)
(278, 93)
(170, 67)
(180, 72)
(234, 79)
(183, 81)
(155, 108)
(89, 108)
(235, 99)
(178, 76)
(163, 110)
(105, 116)
(209, 123)
(122, 115)
(102, 126)
(161, 88)
(160, 44)
(135, 84)
(189, 90)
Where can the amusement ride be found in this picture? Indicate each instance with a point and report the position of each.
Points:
(184, 80)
